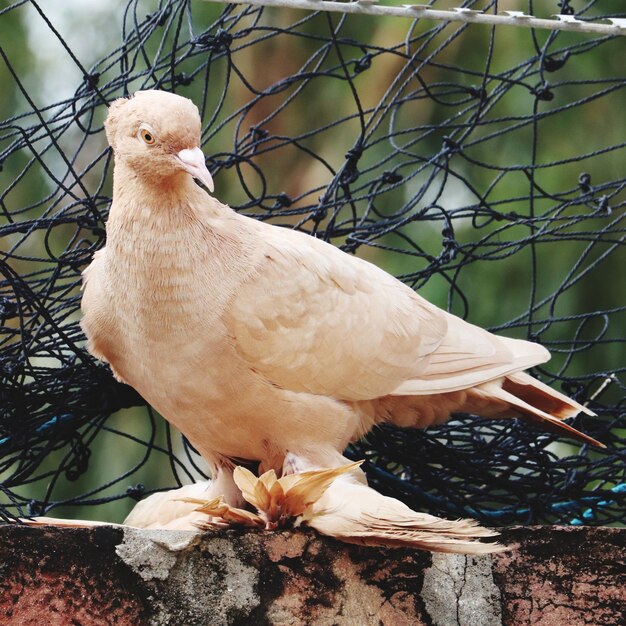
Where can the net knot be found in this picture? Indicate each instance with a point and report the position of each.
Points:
(490, 212)
(391, 178)
(478, 92)
(136, 491)
(584, 182)
(8, 310)
(72, 258)
(88, 222)
(80, 460)
(350, 244)
(161, 17)
(220, 41)
(283, 200)
(182, 79)
(92, 80)
(9, 366)
(543, 92)
(451, 145)
(259, 133)
(573, 388)
(362, 64)
(229, 160)
(354, 154)
(349, 172)
(320, 213)
(34, 508)
(552, 64)
(449, 243)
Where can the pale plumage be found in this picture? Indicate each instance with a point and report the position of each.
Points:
(355, 513)
(257, 341)
(332, 501)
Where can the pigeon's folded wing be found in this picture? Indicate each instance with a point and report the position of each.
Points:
(313, 319)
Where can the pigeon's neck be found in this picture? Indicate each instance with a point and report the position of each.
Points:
(174, 229)
(176, 253)
(169, 198)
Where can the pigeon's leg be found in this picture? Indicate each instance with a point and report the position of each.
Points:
(222, 483)
(298, 462)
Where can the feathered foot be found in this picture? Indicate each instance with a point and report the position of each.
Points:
(280, 502)
(63, 523)
(335, 504)
(355, 513)
(167, 509)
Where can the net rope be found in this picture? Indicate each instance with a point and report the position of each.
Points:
(483, 170)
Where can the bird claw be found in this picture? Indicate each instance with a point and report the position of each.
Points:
(279, 501)
(225, 514)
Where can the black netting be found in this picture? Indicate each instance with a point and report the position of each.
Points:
(483, 166)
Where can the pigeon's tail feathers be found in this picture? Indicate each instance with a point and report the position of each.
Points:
(542, 397)
(538, 403)
(513, 395)
(354, 513)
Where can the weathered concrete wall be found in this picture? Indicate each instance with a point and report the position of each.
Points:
(554, 576)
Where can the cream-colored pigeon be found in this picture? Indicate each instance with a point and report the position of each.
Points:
(261, 343)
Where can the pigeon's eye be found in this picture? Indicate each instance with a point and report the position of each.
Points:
(147, 136)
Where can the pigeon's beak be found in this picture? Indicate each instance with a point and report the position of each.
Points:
(193, 161)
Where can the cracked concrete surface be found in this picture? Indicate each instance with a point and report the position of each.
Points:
(460, 590)
(211, 575)
(92, 577)
(152, 553)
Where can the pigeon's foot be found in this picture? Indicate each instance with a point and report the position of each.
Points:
(220, 514)
(62, 523)
(356, 513)
(334, 503)
(280, 502)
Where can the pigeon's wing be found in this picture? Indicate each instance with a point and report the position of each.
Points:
(317, 320)
(469, 356)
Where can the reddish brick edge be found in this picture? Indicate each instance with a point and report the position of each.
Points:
(555, 576)
(62, 577)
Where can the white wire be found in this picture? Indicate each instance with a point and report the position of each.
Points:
(617, 26)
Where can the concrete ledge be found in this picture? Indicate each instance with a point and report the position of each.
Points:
(554, 576)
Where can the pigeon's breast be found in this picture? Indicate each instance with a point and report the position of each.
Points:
(167, 292)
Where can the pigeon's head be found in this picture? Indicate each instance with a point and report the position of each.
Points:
(157, 134)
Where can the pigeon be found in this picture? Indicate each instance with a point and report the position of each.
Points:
(264, 345)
